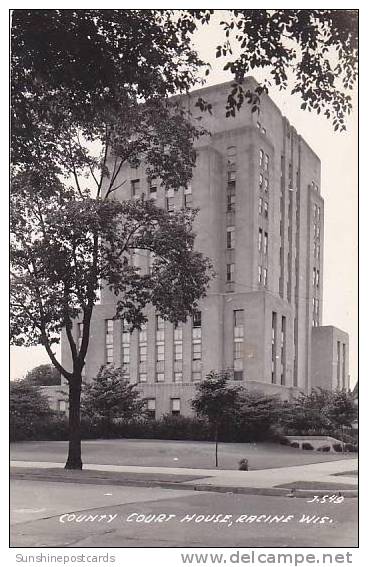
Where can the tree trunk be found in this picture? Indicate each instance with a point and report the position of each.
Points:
(75, 451)
(216, 446)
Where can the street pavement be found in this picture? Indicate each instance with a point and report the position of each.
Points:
(57, 514)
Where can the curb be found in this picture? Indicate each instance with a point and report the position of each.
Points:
(180, 485)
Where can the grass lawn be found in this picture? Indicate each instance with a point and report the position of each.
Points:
(162, 453)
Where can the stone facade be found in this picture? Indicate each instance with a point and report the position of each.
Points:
(257, 186)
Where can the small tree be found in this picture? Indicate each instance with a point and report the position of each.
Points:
(217, 402)
(43, 375)
(341, 410)
(321, 411)
(29, 409)
(109, 396)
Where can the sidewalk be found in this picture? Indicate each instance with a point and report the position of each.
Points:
(316, 479)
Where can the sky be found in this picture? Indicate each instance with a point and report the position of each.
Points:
(338, 153)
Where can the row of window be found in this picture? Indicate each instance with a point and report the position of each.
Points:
(136, 193)
(175, 407)
(159, 348)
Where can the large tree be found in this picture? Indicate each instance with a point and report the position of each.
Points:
(89, 92)
(62, 247)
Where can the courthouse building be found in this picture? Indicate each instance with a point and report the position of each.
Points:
(261, 221)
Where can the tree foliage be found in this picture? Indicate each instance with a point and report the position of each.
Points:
(311, 52)
(29, 408)
(321, 411)
(88, 68)
(257, 412)
(43, 375)
(109, 396)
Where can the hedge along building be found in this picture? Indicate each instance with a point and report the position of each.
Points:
(257, 186)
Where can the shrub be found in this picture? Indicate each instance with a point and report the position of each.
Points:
(351, 448)
(337, 447)
(295, 445)
(324, 448)
(307, 446)
(284, 440)
(30, 412)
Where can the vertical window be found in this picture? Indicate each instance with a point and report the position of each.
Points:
(261, 156)
(260, 239)
(175, 406)
(230, 268)
(197, 319)
(259, 274)
(231, 178)
(260, 205)
(188, 196)
(196, 345)
(266, 209)
(151, 408)
(265, 243)
(178, 352)
(267, 161)
(238, 350)
(230, 201)
(230, 237)
(231, 156)
(283, 350)
(266, 185)
(338, 364)
(170, 205)
(152, 187)
(273, 347)
(314, 279)
(142, 353)
(343, 365)
(261, 181)
(125, 347)
(265, 276)
(109, 341)
(135, 187)
(317, 278)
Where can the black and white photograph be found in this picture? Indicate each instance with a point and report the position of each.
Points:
(183, 285)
